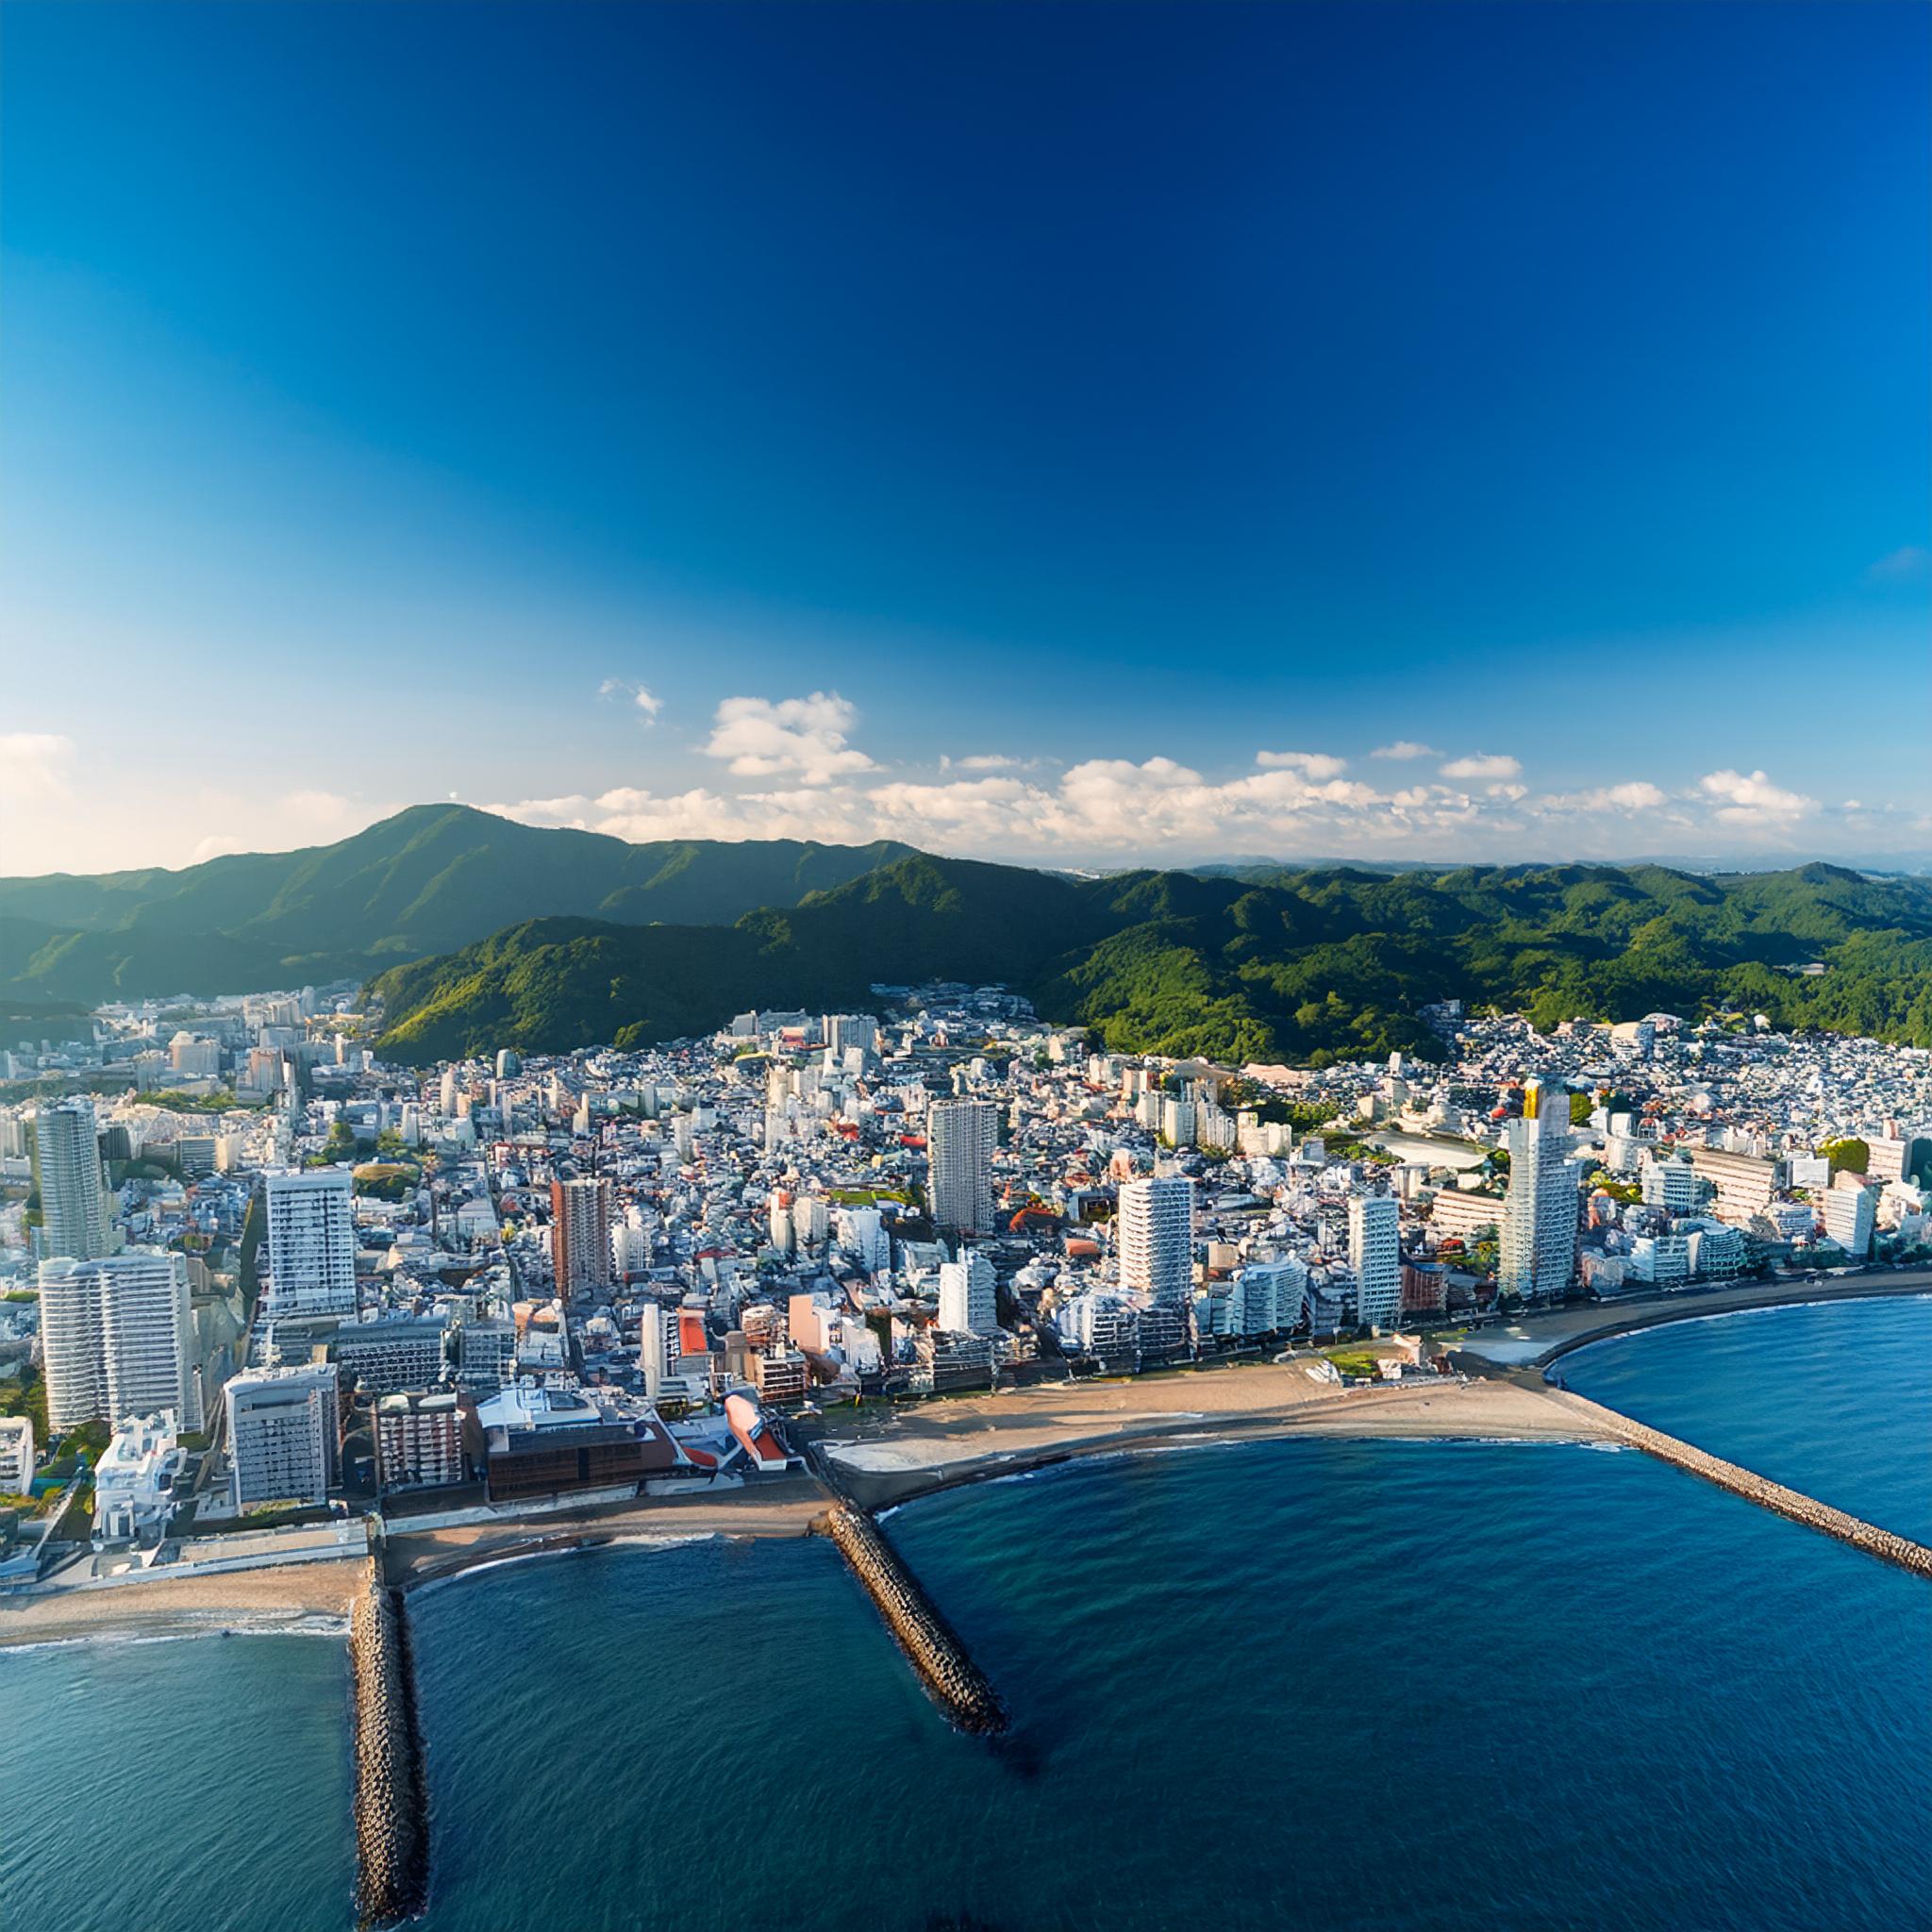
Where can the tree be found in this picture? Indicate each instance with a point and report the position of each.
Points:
(1849, 1155)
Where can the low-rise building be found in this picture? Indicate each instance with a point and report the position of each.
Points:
(419, 1440)
(16, 1455)
(134, 1480)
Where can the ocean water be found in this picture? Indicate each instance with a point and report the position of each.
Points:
(176, 1786)
(1833, 1398)
(1362, 1687)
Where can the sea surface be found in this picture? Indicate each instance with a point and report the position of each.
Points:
(1833, 1398)
(1357, 1687)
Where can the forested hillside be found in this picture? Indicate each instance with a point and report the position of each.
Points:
(431, 878)
(1302, 965)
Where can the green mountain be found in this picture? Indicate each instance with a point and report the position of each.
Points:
(1309, 965)
(429, 879)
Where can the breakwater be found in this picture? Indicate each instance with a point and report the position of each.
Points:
(958, 1685)
(1886, 1545)
(392, 1801)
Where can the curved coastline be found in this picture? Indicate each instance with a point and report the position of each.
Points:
(949, 1451)
(1602, 1320)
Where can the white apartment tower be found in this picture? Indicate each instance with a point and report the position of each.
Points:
(1375, 1253)
(118, 1334)
(284, 1439)
(968, 1304)
(1539, 1212)
(75, 1224)
(1848, 1219)
(1156, 1237)
(311, 1241)
(960, 1139)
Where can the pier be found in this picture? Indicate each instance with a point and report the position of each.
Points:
(1886, 1545)
(958, 1685)
(392, 1801)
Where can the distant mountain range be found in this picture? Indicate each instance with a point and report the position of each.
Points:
(431, 878)
(477, 932)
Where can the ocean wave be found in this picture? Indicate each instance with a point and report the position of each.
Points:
(217, 1623)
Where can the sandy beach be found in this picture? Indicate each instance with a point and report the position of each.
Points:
(963, 1438)
(273, 1598)
(781, 1507)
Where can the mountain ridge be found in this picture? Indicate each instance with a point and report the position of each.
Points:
(426, 880)
(1313, 966)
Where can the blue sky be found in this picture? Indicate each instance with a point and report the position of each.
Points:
(1108, 396)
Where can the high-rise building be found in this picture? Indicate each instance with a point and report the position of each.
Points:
(118, 1335)
(960, 1139)
(75, 1224)
(311, 1241)
(1375, 1253)
(284, 1434)
(1156, 1236)
(968, 1299)
(1538, 1252)
(1849, 1215)
(580, 1216)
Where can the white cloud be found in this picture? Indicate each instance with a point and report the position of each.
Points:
(759, 737)
(33, 764)
(1310, 764)
(1484, 764)
(1635, 795)
(1753, 800)
(1406, 748)
(986, 762)
(647, 701)
(1159, 810)
(1903, 565)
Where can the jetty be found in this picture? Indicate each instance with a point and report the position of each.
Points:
(392, 1800)
(956, 1684)
(1886, 1545)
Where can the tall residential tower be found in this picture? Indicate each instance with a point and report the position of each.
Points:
(960, 1139)
(75, 1224)
(1156, 1237)
(1541, 1211)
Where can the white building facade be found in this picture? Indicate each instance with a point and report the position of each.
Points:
(1156, 1236)
(311, 1241)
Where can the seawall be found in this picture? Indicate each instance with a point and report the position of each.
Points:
(1883, 1543)
(392, 1800)
(956, 1683)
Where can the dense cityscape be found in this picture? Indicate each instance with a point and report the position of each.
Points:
(255, 1276)
(965, 969)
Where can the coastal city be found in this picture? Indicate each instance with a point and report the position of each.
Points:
(260, 1285)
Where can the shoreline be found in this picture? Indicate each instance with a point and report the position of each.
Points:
(281, 1599)
(783, 1506)
(1566, 1330)
(924, 1450)
(981, 1443)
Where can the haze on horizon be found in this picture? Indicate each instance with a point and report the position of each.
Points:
(1073, 435)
